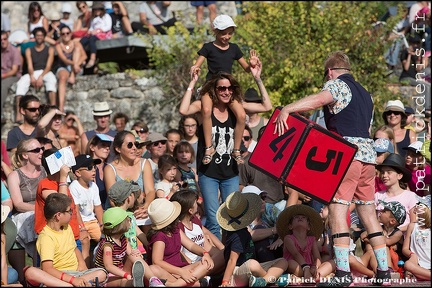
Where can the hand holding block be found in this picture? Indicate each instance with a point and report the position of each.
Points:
(307, 157)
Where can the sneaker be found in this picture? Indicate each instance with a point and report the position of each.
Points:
(284, 280)
(138, 274)
(338, 281)
(257, 281)
(383, 278)
(205, 281)
(155, 282)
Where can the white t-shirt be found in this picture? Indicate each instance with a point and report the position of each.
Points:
(197, 236)
(165, 186)
(87, 199)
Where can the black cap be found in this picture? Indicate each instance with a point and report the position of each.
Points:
(251, 96)
(84, 160)
(409, 110)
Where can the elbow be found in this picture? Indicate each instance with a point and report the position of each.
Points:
(183, 111)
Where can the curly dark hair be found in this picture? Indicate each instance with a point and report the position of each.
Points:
(210, 87)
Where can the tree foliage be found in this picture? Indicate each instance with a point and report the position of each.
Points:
(293, 40)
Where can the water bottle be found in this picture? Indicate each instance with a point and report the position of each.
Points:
(400, 269)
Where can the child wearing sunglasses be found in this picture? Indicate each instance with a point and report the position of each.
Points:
(220, 55)
(85, 193)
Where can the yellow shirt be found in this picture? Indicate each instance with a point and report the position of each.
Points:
(59, 247)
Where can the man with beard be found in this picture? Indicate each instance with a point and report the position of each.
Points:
(29, 107)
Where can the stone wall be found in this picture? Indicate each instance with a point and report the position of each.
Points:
(139, 98)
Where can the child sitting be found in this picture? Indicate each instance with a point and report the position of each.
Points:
(165, 241)
(392, 216)
(300, 226)
(114, 253)
(234, 215)
(85, 193)
(167, 167)
(60, 257)
(417, 243)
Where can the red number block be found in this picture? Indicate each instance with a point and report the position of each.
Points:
(307, 157)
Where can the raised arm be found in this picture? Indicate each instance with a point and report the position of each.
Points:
(186, 107)
(266, 104)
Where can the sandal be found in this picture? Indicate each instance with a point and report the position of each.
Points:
(208, 157)
(237, 156)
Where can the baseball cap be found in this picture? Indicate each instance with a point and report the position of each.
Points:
(415, 147)
(84, 160)
(66, 8)
(409, 110)
(383, 145)
(223, 22)
(114, 216)
(120, 190)
(397, 209)
(252, 189)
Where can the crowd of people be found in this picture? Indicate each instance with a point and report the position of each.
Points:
(184, 207)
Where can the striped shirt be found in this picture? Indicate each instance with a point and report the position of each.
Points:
(118, 252)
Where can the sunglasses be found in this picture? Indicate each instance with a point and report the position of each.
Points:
(37, 150)
(224, 88)
(396, 113)
(246, 138)
(88, 168)
(70, 211)
(32, 109)
(182, 185)
(190, 126)
(65, 33)
(142, 130)
(131, 144)
(163, 142)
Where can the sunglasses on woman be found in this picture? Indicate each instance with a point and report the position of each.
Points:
(142, 130)
(396, 113)
(221, 89)
(131, 144)
(36, 150)
(163, 142)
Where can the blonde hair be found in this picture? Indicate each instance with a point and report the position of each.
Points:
(17, 159)
(424, 217)
(390, 134)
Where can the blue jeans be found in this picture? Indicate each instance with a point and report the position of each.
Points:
(209, 190)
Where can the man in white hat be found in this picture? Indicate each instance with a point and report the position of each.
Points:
(101, 114)
(66, 19)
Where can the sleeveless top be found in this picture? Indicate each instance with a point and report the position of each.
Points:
(118, 252)
(140, 178)
(101, 185)
(189, 178)
(68, 56)
(223, 166)
(32, 26)
(404, 143)
(306, 252)
(255, 130)
(39, 59)
(354, 119)
(28, 186)
(420, 244)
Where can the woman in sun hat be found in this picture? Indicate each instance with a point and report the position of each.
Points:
(415, 161)
(234, 216)
(395, 175)
(394, 116)
(165, 242)
(301, 224)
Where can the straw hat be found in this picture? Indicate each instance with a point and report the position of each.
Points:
(163, 212)
(316, 222)
(101, 109)
(4, 212)
(238, 211)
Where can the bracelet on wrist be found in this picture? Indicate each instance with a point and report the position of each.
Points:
(71, 279)
(225, 282)
(189, 89)
(61, 277)
(125, 275)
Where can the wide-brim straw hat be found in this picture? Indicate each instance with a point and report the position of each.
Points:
(397, 162)
(238, 211)
(101, 109)
(163, 212)
(284, 218)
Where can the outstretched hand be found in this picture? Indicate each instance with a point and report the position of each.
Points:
(253, 60)
(194, 72)
(256, 70)
(281, 122)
